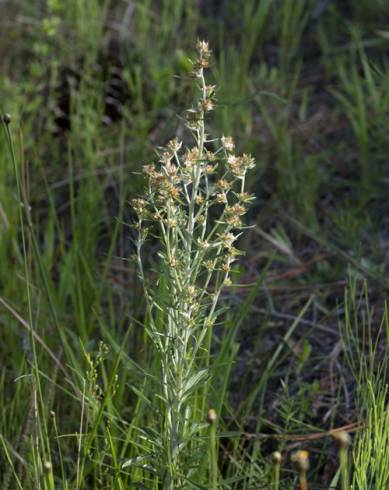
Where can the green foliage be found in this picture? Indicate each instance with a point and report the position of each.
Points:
(93, 86)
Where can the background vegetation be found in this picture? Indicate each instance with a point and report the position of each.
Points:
(93, 88)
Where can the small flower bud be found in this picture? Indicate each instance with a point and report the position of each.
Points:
(227, 282)
(223, 184)
(221, 198)
(343, 439)
(203, 48)
(207, 105)
(228, 239)
(7, 118)
(276, 457)
(209, 265)
(149, 169)
(301, 459)
(139, 206)
(248, 161)
(203, 244)
(174, 145)
(245, 197)
(228, 143)
(210, 90)
(173, 262)
(211, 416)
(191, 157)
(233, 220)
(226, 267)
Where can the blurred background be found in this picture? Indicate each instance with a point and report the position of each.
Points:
(94, 87)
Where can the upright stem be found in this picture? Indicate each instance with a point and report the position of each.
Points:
(195, 256)
(344, 468)
(213, 459)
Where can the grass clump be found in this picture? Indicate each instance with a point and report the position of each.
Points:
(193, 207)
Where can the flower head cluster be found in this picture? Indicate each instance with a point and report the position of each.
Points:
(195, 115)
(190, 182)
(203, 56)
(238, 165)
(228, 143)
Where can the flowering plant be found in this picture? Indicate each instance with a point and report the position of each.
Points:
(194, 204)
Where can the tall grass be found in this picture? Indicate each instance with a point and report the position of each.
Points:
(92, 88)
(364, 339)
